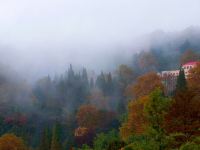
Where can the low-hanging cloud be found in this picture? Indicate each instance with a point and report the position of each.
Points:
(45, 36)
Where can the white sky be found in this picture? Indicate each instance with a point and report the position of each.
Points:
(71, 30)
(30, 21)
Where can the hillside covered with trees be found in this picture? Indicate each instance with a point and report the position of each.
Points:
(127, 109)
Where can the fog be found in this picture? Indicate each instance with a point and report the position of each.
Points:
(44, 37)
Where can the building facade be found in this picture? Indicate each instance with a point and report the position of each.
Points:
(186, 68)
(169, 78)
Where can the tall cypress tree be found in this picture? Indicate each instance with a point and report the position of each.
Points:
(181, 81)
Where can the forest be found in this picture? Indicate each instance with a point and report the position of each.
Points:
(125, 109)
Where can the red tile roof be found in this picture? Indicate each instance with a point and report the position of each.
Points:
(191, 63)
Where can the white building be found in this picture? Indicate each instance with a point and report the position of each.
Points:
(175, 73)
(169, 78)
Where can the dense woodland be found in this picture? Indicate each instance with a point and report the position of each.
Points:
(127, 109)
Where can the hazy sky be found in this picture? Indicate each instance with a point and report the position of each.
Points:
(87, 32)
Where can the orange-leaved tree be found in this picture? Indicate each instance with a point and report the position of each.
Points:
(136, 122)
(88, 116)
(194, 78)
(144, 85)
(184, 115)
(139, 94)
(11, 142)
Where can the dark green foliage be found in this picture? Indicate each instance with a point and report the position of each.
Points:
(122, 107)
(156, 109)
(45, 141)
(101, 82)
(68, 91)
(108, 141)
(190, 146)
(193, 145)
(115, 145)
(105, 83)
(85, 80)
(91, 83)
(181, 81)
(56, 141)
(85, 147)
(109, 85)
(154, 137)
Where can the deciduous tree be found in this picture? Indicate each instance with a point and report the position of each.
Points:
(194, 78)
(184, 114)
(11, 142)
(144, 85)
(88, 116)
(156, 108)
(136, 123)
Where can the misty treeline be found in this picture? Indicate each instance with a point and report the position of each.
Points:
(122, 109)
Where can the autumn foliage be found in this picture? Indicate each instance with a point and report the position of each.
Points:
(144, 85)
(139, 94)
(184, 114)
(11, 142)
(194, 78)
(88, 116)
(136, 122)
(84, 136)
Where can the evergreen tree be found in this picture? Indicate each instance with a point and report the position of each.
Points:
(45, 142)
(91, 83)
(181, 81)
(85, 80)
(71, 74)
(85, 76)
(109, 84)
(101, 82)
(55, 141)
